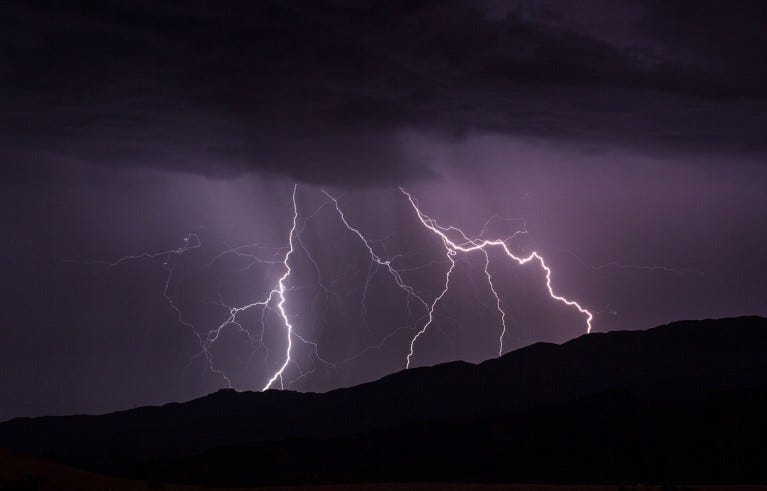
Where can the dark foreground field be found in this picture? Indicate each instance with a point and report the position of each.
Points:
(25, 473)
(678, 404)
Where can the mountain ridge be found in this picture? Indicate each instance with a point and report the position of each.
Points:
(661, 370)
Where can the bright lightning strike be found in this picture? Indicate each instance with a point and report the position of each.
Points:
(453, 239)
(467, 244)
(280, 292)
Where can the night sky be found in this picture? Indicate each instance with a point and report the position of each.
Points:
(627, 138)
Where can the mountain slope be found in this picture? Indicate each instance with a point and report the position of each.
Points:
(576, 412)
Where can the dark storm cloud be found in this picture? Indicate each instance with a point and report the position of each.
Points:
(323, 91)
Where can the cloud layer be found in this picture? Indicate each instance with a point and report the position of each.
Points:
(323, 91)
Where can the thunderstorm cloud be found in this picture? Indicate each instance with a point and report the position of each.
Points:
(326, 92)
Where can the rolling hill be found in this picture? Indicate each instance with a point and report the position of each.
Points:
(679, 403)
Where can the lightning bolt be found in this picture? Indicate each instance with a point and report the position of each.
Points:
(280, 293)
(376, 259)
(277, 296)
(453, 239)
(466, 245)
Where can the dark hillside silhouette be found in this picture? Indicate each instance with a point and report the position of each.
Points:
(684, 402)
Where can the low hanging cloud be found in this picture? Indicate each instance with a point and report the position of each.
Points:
(323, 91)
